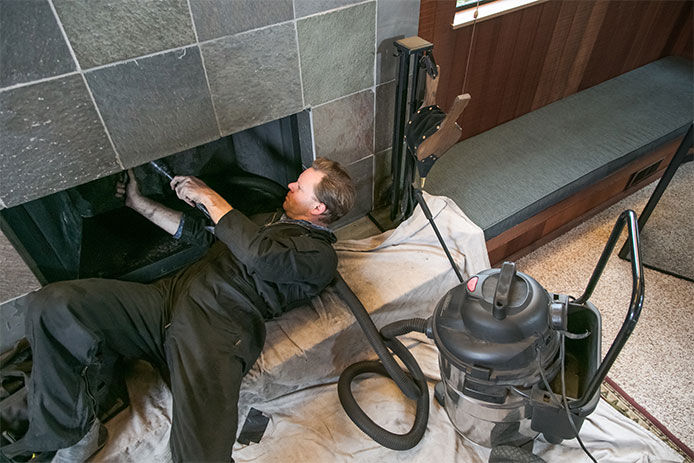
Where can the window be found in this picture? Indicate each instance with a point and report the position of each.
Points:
(465, 9)
(465, 4)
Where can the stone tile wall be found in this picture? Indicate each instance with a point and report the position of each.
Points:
(90, 88)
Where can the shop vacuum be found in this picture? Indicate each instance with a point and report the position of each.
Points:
(516, 360)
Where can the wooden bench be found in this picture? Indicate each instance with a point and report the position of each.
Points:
(528, 180)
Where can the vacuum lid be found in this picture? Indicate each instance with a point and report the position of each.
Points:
(494, 319)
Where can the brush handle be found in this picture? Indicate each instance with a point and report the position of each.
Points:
(165, 172)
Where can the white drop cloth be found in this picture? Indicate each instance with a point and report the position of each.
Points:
(398, 274)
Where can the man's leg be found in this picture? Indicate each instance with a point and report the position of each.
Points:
(206, 375)
(72, 328)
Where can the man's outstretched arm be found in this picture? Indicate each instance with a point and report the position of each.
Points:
(162, 216)
(194, 191)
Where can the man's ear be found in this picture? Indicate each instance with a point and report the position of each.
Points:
(319, 209)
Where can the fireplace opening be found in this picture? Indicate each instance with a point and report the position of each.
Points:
(86, 231)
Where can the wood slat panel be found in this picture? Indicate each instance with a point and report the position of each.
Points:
(592, 29)
(527, 29)
(427, 19)
(477, 77)
(549, 12)
(497, 78)
(680, 42)
(578, 33)
(621, 24)
(550, 67)
(531, 57)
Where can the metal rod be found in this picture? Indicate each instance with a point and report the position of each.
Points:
(427, 213)
(161, 169)
(637, 293)
(670, 171)
(164, 171)
(399, 118)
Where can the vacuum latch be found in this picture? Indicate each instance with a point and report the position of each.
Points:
(558, 312)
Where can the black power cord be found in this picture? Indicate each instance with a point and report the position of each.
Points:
(564, 403)
(562, 353)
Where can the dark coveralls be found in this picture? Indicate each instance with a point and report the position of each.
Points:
(203, 328)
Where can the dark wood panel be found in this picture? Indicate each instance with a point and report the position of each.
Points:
(592, 29)
(549, 12)
(550, 66)
(506, 36)
(527, 30)
(577, 34)
(479, 72)
(531, 57)
(427, 19)
(680, 42)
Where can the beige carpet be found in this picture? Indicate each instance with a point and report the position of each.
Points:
(666, 242)
(655, 367)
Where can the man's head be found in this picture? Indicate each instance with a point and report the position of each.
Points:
(322, 194)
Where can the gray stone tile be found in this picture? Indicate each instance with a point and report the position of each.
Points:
(217, 18)
(16, 277)
(309, 7)
(31, 44)
(362, 175)
(383, 178)
(251, 81)
(104, 32)
(155, 106)
(343, 129)
(397, 19)
(52, 139)
(385, 111)
(337, 52)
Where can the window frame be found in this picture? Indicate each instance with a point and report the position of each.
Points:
(470, 4)
(489, 9)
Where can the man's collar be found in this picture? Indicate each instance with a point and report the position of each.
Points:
(306, 223)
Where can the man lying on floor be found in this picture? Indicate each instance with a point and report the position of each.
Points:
(202, 328)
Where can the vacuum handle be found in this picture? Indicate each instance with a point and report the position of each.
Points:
(627, 217)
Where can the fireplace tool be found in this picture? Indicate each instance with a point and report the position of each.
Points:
(516, 360)
(161, 169)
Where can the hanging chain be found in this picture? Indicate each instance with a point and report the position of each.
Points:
(472, 40)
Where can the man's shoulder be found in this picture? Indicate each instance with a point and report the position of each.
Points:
(301, 230)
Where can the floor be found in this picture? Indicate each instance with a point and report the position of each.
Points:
(655, 367)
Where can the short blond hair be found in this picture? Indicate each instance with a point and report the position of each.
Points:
(335, 190)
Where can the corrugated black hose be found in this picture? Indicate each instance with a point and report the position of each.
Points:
(413, 385)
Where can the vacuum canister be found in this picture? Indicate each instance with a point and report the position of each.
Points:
(498, 340)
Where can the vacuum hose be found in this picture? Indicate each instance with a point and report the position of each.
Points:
(413, 385)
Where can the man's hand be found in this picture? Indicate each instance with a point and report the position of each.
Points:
(128, 187)
(191, 189)
(194, 191)
(160, 215)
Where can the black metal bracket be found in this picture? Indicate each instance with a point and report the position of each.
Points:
(402, 167)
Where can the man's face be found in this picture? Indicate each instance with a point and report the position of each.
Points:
(301, 201)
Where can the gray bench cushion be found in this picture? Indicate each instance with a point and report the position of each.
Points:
(508, 174)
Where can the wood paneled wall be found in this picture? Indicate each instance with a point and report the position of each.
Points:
(528, 58)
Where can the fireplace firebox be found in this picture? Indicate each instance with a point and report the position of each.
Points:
(87, 232)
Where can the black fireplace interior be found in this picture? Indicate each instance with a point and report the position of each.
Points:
(87, 232)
